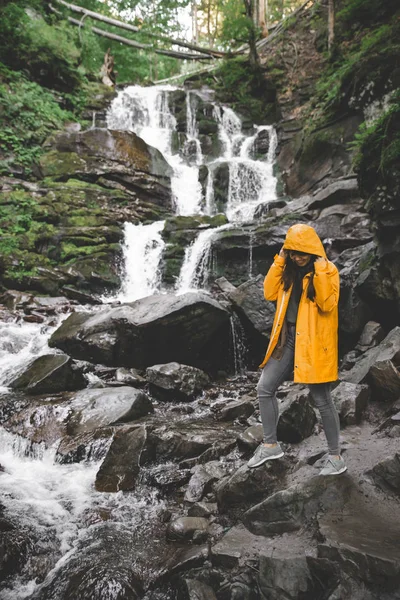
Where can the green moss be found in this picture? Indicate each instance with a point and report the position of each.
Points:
(69, 250)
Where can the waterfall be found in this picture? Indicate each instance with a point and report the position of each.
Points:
(250, 180)
(142, 252)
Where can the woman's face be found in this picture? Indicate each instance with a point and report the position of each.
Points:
(301, 259)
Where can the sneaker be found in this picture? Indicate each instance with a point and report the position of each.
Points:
(264, 453)
(333, 466)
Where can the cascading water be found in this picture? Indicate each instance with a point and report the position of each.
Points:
(147, 112)
(142, 250)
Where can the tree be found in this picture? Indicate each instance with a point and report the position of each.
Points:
(331, 25)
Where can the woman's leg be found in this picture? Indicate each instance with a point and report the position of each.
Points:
(321, 394)
(273, 374)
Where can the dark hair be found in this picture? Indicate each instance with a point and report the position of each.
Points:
(289, 274)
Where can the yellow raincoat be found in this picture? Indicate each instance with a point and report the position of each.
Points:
(316, 338)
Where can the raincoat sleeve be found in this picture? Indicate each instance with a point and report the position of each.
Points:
(326, 284)
(273, 278)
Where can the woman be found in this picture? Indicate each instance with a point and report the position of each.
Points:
(305, 286)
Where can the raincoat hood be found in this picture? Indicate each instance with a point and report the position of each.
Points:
(305, 239)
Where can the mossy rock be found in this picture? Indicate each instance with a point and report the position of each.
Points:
(61, 164)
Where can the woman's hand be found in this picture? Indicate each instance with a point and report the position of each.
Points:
(283, 253)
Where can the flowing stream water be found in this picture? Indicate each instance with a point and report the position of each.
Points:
(55, 505)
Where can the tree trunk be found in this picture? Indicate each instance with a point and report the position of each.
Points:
(331, 25)
(195, 28)
(262, 16)
(121, 24)
(122, 40)
(253, 54)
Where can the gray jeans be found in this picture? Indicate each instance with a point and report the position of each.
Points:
(273, 374)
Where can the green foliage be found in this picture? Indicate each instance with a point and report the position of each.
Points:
(367, 12)
(377, 145)
(46, 51)
(369, 58)
(245, 88)
(29, 113)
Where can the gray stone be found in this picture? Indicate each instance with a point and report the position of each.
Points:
(202, 479)
(289, 509)
(250, 304)
(297, 417)
(183, 528)
(351, 400)
(387, 350)
(251, 437)
(192, 589)
(186, 440)
(237, 547)
(120, 468)
(248, 485)
(203, 509)
(191, 328)
(235, 410)
(93, 408)
(295, 577)
(174, 381)
(386, 474)
(49, 374)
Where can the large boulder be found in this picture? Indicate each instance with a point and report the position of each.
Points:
(121, 156)
(191, 328)
(174, 381)
(297, 417)
(289, 509)
(380, 366)
(351, 400)
(94, 408)
(255, 313)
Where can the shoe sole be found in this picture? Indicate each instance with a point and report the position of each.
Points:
(265, 460)
(343, 470)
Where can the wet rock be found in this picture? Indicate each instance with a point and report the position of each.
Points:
(183, 528)
(289, 509)
(49, 374)
(373, 333)
(183, 559)
(93, 408)
(120, 468)
(380, 366)
(297, 576)
(174, 381)
(102, 562)
(251, 437)
(238, 545)
(193, 589)
(297, 417)
(119, 155)
(191, 328)
(80, 296)
(246, 485)
(364, 544)
(350, 400)
(238, 409)
(129, 377)
(220, 175)
(255, 313)
(203, 509)
(386, 474)
(168, 477)
(202, 479)
(88, 446)
(187, 440)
